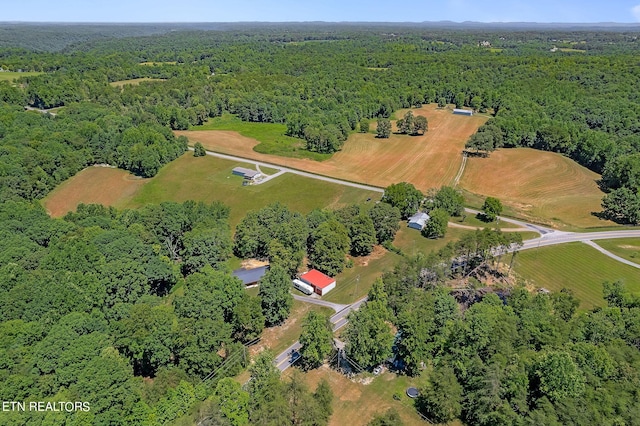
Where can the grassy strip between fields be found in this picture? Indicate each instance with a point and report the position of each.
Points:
(626, 248)
(271, 136)
(575, 266)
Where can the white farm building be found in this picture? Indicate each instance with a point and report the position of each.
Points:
(463, 112)
(418, 220)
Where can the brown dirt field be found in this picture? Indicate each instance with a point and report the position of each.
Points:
(93, 185)
(538, 184)
(427, 161)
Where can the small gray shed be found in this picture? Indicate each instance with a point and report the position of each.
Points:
(418, 220)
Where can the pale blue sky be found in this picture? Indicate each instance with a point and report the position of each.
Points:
(624, 11)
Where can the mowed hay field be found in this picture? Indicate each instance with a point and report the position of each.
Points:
(210, 179)
(93, 185)
(575, 266)
(202, 179)
(538, 185)
(427, 161)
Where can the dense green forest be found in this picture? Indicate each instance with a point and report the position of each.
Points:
(136, 310)
(579, 100)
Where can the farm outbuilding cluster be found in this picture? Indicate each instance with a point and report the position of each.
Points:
(321, 283)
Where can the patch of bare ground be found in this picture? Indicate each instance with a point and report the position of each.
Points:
(93, 185)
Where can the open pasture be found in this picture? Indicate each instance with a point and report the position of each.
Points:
(202, 179)
(355, 403)
(93, 185)
(575, 266)
(537, 185)
(427, 161)
(12, 76)
(133, 81)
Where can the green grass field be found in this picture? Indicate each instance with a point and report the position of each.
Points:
(11, 76)
(626, 248)
(133, 82)
(354, 283)
(210, 179)
(271, 136)
(576, 266)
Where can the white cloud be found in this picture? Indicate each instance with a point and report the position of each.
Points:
(636, 12)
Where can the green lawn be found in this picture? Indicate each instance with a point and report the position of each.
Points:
(209, 179)
(11, 76)
(354, 283)
(626, 248)
(271, 136)
(472, 220)
(576, 266)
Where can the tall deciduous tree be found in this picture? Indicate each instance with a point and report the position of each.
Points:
(420, 125)
(233, 401)
(436, 226)
(383, 129)
(316, 339)
(330, 246)
(441, 396)
(491, 209)
(386, 221)
(198, 150)
(275, 295)
(368, 336)
(404, 196)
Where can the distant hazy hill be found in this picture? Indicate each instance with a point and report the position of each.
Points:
(58, 36)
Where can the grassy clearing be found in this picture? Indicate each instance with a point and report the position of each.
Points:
(576, 266)
(473, 220)
(133, 81)
(538, 186)
(626, 248)
(210, 179)
(271, 136)
(412, 242)
(158, 63)
(354, 283)
(565, 49)
(356, 403)
(279, 338)
(12, 76)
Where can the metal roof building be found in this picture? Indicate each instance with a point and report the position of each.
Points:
(246, 173)
(321, 283)
(463, 111)
(418, 220)
(250, 276)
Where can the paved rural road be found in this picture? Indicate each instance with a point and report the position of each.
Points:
(559, 237)
(285, 360)
(335, 306)
(295, 171)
